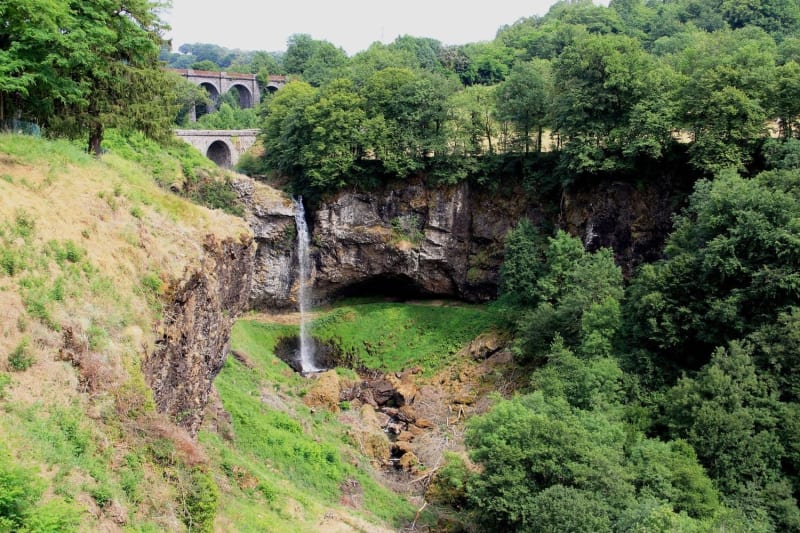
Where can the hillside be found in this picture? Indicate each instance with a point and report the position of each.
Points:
(117, 300)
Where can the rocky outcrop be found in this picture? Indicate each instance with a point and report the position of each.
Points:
(194, 336)
(411, 240)
(632, 221)
(270, 215)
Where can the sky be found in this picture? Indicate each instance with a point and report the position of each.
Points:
(350, 24)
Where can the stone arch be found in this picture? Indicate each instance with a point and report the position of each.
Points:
(220, 153)
(244, 95)
(213, 94)
(272, 87)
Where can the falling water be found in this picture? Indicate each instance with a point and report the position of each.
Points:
(303, 261)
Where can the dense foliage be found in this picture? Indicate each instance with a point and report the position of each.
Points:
(606, 89)
(80, 67)
(667, 405)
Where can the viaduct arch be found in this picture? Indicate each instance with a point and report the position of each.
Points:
(224, 147)
(219, 83)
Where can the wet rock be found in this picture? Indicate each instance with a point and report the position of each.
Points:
(484, 346)
(382, 391)
(402, 448)
(407, 414)
(405, 436)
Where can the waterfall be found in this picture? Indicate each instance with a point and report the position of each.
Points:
(303, 262)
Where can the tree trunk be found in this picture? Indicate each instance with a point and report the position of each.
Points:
(2, 104)
(539, 140)
(96, 139)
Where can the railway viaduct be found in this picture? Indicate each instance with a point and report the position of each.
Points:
(219, 83)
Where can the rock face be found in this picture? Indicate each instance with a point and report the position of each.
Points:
(631, 221)
(270, 215)
(412, 240)
(194, 336)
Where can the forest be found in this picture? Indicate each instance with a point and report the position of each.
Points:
(667, 401)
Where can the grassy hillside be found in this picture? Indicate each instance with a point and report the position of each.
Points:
(87, 249)
(289, 465)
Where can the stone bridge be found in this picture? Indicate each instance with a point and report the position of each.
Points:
(224, 147)
(219, 83)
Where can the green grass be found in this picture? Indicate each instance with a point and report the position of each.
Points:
(58, 153)
(394, 336)
(288, 454)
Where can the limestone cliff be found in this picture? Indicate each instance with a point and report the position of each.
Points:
(412, 240)
(193, 339)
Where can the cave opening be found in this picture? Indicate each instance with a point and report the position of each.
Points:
(393, 287)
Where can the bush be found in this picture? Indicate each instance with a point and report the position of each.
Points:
(201, 502)
(5, 381)
(20, 358)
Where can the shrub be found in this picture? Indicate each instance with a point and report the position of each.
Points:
(5, 381)
(201, 502)
(20, 358)
(24, 224)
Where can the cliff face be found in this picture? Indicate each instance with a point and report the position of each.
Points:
(194, 336)
(414, 240)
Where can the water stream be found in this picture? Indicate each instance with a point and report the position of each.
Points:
(303, 294)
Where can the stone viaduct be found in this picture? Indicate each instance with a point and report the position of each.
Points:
(219, 83)
(224, 147)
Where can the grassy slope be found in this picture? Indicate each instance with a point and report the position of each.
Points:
(392, 337)
(85, 246)
(286, 465)
(297, 459)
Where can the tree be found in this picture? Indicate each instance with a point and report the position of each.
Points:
(523, 264)
(546, 466)
(472, 123)
(732, 265)
(524, 100)
(29, 34)
(285, 129)
(338, 136)
(425, 50)
(599, 80)
(728, 81)
(576, 294)
(205, 64)
(786, 101)
(532, 443)
(727, 412)
(412, 110)
(315, 60)
(106, 72)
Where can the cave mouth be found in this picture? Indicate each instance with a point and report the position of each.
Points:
(326, 355)
(394, 287)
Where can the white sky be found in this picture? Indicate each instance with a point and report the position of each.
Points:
(350, 24)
